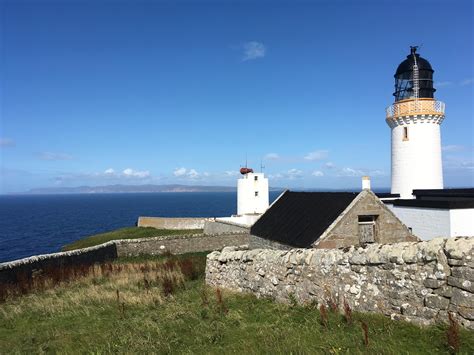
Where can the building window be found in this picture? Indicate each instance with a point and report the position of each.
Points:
(255, 178)
(256, 193)
(367, 229)
(405, 133)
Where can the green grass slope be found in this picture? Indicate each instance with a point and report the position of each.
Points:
(127, 233)
(161, 305)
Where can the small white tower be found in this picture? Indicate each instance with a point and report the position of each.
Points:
(252, 193)
(415, 120)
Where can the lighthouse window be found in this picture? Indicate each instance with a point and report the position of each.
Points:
(405, 133)
(255, 178)
(256, 193)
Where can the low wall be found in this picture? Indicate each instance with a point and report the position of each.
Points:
(172, 223)
(26, 269)
(218, 227)
(180, 245)
(11, 272)
(262, 243)
(414, 281)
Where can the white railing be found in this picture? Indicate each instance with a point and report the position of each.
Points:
(415, 107)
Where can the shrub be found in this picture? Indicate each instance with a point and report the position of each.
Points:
(188, 269)
(168, 285)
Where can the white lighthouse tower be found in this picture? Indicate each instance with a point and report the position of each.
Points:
(415, 120)
(252, 193)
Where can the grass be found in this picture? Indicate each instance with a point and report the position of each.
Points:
(160, 304)
(127, 233)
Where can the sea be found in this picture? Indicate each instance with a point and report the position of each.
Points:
(40, 224)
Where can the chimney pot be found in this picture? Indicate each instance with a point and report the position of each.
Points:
(365, 182)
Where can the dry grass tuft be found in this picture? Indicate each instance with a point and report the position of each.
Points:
(452, 334)
(324, 315)
(347, 312)
(365, 330)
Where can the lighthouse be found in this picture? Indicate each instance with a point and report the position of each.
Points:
(252, 193)
(415, 119)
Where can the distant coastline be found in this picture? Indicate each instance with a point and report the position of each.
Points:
(125, 189)
(149, 188)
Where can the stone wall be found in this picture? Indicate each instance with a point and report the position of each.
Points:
(178, 245)
(25, 269)
(172, 223)
(414, 281)
(10, 272)
(219, 227)
(262, 243)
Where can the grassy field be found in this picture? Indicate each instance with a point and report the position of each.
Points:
(126, 233)
(162, 305)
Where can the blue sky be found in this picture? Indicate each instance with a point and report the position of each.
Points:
(135, 92)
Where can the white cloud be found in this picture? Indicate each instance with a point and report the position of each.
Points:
(466, 82)
(330, 165)
(294, 174)
(351, 172)
(231, 173)
(187, 173)
(193, 174)
(253, 50)
(134, 173)
(458, 163)
(275, 176)
(271, 156)
(7, 142)
(179, 172)
(317, 155)
(317, 173)
(53, 156)
(452, 148)
(359, 172)
(443, 83)
(109, 171)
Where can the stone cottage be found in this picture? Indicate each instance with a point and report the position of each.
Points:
(327, 220)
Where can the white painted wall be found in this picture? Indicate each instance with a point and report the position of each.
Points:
(247, 186)
(426, 223)
(416, 162)
(462, 222)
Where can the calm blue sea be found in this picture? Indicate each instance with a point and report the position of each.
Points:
(38, 224)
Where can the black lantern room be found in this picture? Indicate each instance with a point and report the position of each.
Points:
(409, 85)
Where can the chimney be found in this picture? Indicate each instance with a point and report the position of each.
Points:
(365, 182)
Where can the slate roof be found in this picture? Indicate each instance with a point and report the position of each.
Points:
(438, 198)
(299, 218)
(439, 204)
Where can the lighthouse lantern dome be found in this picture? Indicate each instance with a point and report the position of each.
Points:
(414, 68)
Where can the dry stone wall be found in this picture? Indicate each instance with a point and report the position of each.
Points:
(11, 272)
(172, 223)
(178, 245)
(218, 227)
(414, 281)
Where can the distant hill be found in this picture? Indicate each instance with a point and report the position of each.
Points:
(159, 188)
(127, 189)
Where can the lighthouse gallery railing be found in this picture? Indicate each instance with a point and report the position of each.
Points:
(413, 107)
